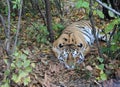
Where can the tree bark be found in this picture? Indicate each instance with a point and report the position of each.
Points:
(49, 22)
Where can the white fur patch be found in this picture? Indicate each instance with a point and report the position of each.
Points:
(87, 33)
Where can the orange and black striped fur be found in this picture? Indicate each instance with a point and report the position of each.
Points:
(74, 43)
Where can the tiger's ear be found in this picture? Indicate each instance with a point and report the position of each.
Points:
(60, 45)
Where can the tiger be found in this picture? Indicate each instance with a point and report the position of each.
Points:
(74, 43)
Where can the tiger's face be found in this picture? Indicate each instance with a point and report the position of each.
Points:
(71, 55)
(70, 49)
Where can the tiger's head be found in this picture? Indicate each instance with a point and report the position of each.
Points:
(70, 56)
(70, 49)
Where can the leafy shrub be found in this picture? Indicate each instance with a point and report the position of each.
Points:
(21, 66)
(113, 46)
(58, 28)
(38, 33)
(85, 4)
(101, 68)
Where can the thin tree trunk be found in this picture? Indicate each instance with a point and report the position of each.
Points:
(93, 27)
(48, 17)
(18, 27)
(39, 9)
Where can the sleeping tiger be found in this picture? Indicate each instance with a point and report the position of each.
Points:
(74, 43)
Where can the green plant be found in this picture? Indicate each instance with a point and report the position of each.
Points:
(101, 68)
(16, 4)
(38, 33)
(82, 4)
(111, 48)
(85, 4)
(57, 27)
(21, 66)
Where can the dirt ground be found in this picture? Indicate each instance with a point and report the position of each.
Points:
(48, 72)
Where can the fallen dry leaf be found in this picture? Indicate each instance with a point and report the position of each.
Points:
(46, 80)
(89, 68)
(117, 73)
(111, 83)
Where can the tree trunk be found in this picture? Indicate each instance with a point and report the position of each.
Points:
(49, 23)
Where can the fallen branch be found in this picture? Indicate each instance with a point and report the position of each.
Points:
(114, 11)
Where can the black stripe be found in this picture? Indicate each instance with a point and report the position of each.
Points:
(85, 31)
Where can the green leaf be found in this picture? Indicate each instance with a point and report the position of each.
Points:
(16, 54)
(38, 38)
(6, 61)
(22, 74)
(14, 77)
(19, 64)
(101, 66)
(28, 69)
(85, 4)
(60, 26)
(100, 60)
(26, 52)
(23, 57)
(82, 4)
(26, 63)
(26, 81)
(5, 85)
(14, 6)
(7, 72)
(114, 47)
(100, 13)
(14, 2)
(111, 25)
(79, 4)
(103, 76)
(33, 65)
(111, 14)
(13, 65)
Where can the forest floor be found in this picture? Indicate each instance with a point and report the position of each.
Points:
(48, 72)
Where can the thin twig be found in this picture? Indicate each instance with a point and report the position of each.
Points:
(18, 26)
(109, 40)
(114, 11)
(7, 41)
(39, 9)
(94, 30)
(58, 5)
(112, 33)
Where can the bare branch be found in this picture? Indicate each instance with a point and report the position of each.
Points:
(58, 5)
(39, 9)
(18, 26)
(93, 27)
(114, 11)
(7, 41)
